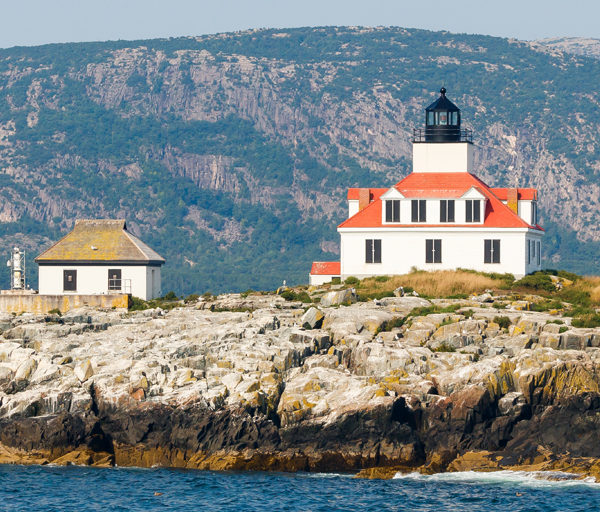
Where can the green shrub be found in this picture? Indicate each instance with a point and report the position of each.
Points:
(503, 321)
(352, 280)
(382, 279)
(170, 296)
(137, 304)
(395, 322)
(192, 297)
(444, 347)
(375, 295)
(562, 329)
(247, 292)
(468, 313)
(537, 281)
(578, 298)
(546, 305)
(336, 280)
(430, 310)
(207, 296)
(55, 311)
(291, 295)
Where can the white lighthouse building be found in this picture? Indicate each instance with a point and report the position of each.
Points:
(441, 216)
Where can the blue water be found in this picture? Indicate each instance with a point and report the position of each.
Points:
(78, 488)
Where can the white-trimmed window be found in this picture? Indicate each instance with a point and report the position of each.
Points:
(491, 251)
(392, 210)
(447, 210)
(473, 210)
(372, 251)
(534, 213)
(433, 251)
(539, 252)
(418, 210)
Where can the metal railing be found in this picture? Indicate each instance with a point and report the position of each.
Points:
(431, 135)
(119, 285)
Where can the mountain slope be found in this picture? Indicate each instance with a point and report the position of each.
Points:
(230, 154)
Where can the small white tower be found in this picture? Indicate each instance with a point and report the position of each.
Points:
(16, 263)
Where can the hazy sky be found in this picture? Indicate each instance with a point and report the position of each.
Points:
(32, 22)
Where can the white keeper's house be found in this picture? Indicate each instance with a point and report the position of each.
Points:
(100, 257)
(441, 216)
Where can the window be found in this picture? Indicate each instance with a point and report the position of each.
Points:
(373, 251)
(539, 253)
(433, 251)
(533, 213)
(70, 280)
(491, 251)
(430, 120)
(392, 211)
(454, 118)
(473, 210)
(419, 210)
(528, 259)
(447, 210)
(444, 118)
(114, 279)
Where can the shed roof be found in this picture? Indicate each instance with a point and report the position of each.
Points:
(325, 268)
(100, 240)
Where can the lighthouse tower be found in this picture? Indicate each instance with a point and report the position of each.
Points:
(441, 216)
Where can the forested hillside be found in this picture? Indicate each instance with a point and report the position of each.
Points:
(231, 154)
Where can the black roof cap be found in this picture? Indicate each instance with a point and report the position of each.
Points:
(442, 103)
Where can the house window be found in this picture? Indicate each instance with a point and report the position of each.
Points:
(473, 210)
(539, 253)
(392, 210)
(114, 279)
(533, 213)
(447, 210)
(433, 251)
(70, 280)
(491, 251)
(419, 210)
(373, 251)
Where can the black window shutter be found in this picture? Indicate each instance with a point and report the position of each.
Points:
(377, 251)
(422, 210)
(469, 217)
(451, 210)
(396, 211)
(487, 251)
(428, 251)
(443, 210)
(388, 211)
(438, 251)
(477, 211)
(415, 210)
(539, 253)
(496, 245)
(369, 250)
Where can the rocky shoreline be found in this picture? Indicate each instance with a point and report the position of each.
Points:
(260, 383)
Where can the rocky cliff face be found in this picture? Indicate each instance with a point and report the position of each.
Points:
(258, 383)
(227, 151)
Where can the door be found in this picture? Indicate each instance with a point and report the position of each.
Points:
(70, 280)
(114, 279)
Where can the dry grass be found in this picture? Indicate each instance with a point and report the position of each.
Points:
(442, 283)
(594, 283)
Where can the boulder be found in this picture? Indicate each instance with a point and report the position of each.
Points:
(312, 319)
(84, 371)
(336, 298)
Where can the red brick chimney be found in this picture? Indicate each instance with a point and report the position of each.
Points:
(364, 198)
(512, 199)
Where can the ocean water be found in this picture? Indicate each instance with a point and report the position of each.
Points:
(29, 488)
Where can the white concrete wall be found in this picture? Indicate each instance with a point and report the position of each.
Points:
(93, 279)
(404, 248)
(352, 207)
(442, 157)
(318, 280)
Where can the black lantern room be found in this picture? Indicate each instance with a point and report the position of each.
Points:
(442, 120)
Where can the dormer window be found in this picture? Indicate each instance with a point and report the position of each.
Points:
(534, 213)
(418, 210)
(447, 210)
(473, 210)
(392, 210)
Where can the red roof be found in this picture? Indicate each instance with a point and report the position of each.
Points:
(524, 194)
(374, 193)
(325, 268)
(443, 184)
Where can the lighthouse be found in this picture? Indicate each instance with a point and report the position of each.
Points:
(441, 216)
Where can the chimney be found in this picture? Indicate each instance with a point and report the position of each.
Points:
(364, 198)
(512, 199)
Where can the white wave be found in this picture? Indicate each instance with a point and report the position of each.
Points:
(505, 477)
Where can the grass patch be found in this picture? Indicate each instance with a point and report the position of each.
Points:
(392, 324)
(352, 280)
(589, 319)
(55, 311)
(537, 281)
(562, 329)
(439, 284)
(430, 310)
